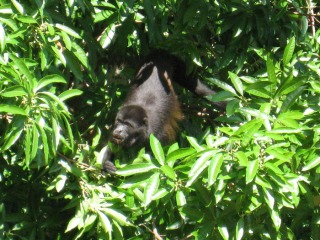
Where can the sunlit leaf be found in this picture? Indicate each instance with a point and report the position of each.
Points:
(180, 154)
(49, 80)
(222, 85)
(11, 109)
(252, 170)
(315, 162)
(214, 168)
(14, 133)
(157, 149)
(199, 166)
(271, 70)
(288, 51)
(136, 169)
(69, 94)
(105, 223)
(67, 30)
(236, 82)
(181, 199)
(151, 188)
(117, 216)
(168, 171)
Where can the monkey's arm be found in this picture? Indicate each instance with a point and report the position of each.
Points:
(107, 161)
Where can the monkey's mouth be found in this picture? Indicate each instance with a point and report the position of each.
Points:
(117, 140)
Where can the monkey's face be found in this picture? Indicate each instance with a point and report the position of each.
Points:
(130, 127)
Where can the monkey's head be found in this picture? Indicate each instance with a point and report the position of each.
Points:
(130, 127)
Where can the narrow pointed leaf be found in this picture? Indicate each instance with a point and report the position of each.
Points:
(271, 70)
(49, 80)
(214, 168)
(69, 94)
(151, 188)
(315, 162)
(136, 169)
(199, 166)
(157, 149)
(236, 82)
(251, 170)
(288, 51)
(12, 109)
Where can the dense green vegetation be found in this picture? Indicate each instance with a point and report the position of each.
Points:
(252, 173)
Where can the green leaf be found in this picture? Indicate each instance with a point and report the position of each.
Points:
(271, 70)
(304, 25)
(181, 199)
(49, 80)
(251, 170)
(248, 126)
(241, 156)
(223, 230)
(259, 89)
(27, 144)
(260, 180)
(117, 216)
(180, 154)
(275, 216)
(66, 39)
(44, 140)
(22, 67)
(51, 99)
(80, 54)
(73, 223)
(194, 143)
(74, 64)
(14, 134)
(136, 169)
(59, 54)
(105, 223)
(157, 149)
(240, 229)
(35, 141)
(269, 198)
(15, 91)
(27, 19)
(2, 38)
(290, 85)
(61, 180)
(220, 96)
(288, 51)
(11, 109)
(151, 188)
(68, 30)
(315, 162)
(199, 166)
(18, 6)
(291, 99)
(236, 82)
(69, 94)
(161, 193)
(222, 85)
(108, 35)
(214, 168)
(169, 172)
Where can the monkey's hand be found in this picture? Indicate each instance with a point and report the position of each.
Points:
(109, 167)
(107, 164)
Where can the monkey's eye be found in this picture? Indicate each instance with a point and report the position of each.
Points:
(128, 124)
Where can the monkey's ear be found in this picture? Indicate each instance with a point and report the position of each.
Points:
(145, 120)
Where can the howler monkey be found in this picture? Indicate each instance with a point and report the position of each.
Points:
(151, 106)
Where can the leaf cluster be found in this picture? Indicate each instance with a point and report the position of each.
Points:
(252, 173)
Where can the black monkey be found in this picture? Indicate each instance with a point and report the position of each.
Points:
(152, 106)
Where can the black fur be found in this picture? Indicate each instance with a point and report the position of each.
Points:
(152, 106)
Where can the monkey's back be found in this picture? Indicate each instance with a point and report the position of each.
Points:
(153, 91)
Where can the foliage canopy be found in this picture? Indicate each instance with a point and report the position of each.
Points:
(252, 173)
